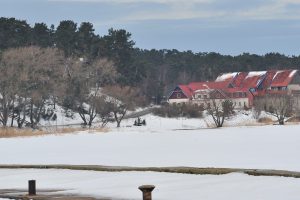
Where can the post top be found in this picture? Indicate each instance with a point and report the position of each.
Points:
(147, 188)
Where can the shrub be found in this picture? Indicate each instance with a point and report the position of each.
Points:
(179, 110)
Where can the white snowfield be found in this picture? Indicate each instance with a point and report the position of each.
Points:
(163, 142)
(124, 185)
(262, 147)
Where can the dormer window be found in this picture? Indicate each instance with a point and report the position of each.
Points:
(252, 89)
(178, 95)
(198, 96)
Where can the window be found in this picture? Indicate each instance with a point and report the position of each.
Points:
(198, 96)
(236, 94)
(240, 104)
(283, 88)
(205, 96)
(178, 95)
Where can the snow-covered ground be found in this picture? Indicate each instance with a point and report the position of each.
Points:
(264, 147)
(124, 185)
(163, 142)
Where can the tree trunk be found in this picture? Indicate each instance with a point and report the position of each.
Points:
(281, 121)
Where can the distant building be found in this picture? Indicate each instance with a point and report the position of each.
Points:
(239, 87)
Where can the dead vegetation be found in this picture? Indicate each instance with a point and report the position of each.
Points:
(179, 170)
(265, 120)
(7, 132)
(293, 119)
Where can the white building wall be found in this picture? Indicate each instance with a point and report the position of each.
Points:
(294, 87)
(240, 102)
(171, 101)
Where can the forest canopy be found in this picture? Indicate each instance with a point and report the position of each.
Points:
(154, 72)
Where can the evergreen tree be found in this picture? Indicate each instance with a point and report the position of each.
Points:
(66, 37)
(85, 38)
(14, 33)
(119, 47)
(41, 35)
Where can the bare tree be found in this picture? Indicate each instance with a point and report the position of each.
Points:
(280, 106)
(258, 107)
(103, 111)
(120, 100)
(35, 73)
(219, 110)
(83, 87)
(8, 87)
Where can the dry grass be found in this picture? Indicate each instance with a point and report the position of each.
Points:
(15, 132)
(265, 120)
(294, 119)
(180, 170)
(9, 132)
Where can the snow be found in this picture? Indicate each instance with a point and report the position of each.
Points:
(255, 73)
(124, 185)
(278, 72)
(292, 73)
(226, 76)
(61, 118)
(164, 142)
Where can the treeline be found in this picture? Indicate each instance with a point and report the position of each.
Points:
(154, 72)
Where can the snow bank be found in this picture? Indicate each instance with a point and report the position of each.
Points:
(124, 185)
(255, 73)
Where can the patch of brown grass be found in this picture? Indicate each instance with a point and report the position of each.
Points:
(294, 119)
(67, 130)
(265, 120)
(9, 132)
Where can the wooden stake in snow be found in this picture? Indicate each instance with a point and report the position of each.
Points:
(147, 190)
(31, 187)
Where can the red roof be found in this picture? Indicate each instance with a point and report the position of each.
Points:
(242, 82)
(239, 79)
(283, 78)
(186, 90)
(253, 79)
(227, 77)
(269, 78)
(209, 85)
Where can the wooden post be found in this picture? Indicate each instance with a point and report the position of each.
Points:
(147, 190)
(31, 187)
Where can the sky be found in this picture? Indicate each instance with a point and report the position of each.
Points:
(225, 26)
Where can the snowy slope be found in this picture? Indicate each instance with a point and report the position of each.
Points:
(168, 186)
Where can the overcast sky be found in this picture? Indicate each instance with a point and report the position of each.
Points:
(224, 26)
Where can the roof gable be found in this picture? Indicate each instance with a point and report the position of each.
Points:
(186, 90)
(254, 79)
(283, 78)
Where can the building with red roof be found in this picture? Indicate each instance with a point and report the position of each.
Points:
(239, 87)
